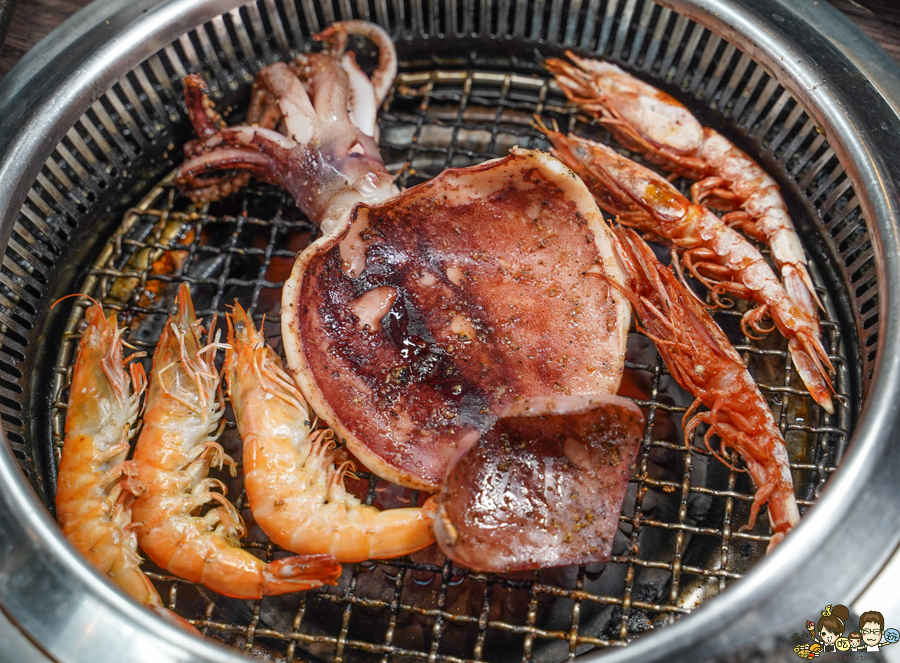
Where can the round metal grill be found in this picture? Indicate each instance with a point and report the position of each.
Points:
(681, 538)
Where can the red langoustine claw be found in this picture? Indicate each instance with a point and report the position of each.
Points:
(702, 360)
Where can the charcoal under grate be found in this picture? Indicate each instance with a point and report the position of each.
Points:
(681, 539)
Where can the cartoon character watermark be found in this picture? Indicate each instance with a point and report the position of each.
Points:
(827, 634)
(871, 626)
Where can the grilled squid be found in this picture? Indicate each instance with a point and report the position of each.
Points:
(543, 487)
(417, 316)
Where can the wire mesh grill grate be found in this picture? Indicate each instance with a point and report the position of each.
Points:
(680, 537)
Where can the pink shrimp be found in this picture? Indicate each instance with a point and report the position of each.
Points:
(650, 121)
(174, 452)
(92, 508)
(703, 361)
(295, 487)
(719, 257)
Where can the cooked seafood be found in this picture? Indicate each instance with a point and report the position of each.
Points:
(650, 121)
(471, 290)
(168, 476)
(292, 474)
(418, 318)
(715, 254)
(325, 160)
(435, 306)
(542, 487)
(92, 508)
(364, 94)
(703, 361)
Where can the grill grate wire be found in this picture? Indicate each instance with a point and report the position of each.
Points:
(680, 540)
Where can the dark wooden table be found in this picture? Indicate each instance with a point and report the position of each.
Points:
(34, 19)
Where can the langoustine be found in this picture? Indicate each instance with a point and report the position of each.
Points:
(168, 476)
(647, 120)
(702, 360)
(292, 474)
(717, 255)
(92, 506)
(436, 306)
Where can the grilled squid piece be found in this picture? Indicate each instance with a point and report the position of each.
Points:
(412, 327)
(415, 317)
(324, 154)
(542, 487)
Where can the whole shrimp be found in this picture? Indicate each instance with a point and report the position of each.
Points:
(722, 259)
(295, 488)
(92, 508)
(702, 360)
(650, 121)
(174, 452)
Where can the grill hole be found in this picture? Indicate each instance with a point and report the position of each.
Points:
(11, 386)
(10, 419)
(10, 370)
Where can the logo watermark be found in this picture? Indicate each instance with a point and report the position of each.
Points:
(832, 634)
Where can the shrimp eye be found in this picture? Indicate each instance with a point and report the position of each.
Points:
(82, 326)
(239, 327)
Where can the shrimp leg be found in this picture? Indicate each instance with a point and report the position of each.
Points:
(703, 361)
(295, 488)
(719, 257)
(174, 452)
(650, 121)
(91, 506)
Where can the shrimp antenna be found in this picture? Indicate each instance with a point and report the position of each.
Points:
(76, 294)
(539, 124)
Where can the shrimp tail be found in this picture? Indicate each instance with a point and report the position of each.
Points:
(800, 286)
(305, 570)
(811, 361)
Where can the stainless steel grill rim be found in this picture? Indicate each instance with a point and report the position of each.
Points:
(781, 560)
